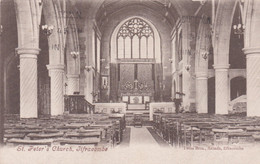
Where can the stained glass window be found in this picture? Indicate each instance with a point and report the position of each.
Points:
(135, 39)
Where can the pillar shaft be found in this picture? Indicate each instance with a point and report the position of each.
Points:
(56, 73)
(202, 93)
(222, 89)
(253, 81)
(89, 84)
(73, 84)
(28, 82)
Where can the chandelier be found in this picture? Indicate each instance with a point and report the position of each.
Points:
(240, 27)
(47, 29)
(74, 54)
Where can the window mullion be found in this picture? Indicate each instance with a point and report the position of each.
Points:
(124, 47)
(131, 47)
(153, 47)
(147, 47)
(139, 47)
(117, 48)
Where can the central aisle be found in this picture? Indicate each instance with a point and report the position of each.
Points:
(142, 137)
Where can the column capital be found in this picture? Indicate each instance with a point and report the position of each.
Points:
(28, 52)
(252, 51)
(56, 67)
(72, 76)
(221, 66)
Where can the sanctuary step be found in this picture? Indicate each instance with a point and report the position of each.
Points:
(136, 107)
(137, 111)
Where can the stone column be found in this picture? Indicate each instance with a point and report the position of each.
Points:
(28, 82)
(56, 72)
(89, 84)
(253, 81)
(252, 52)
(186, 62)
(222, 96)
(73, 83)
(202, 92)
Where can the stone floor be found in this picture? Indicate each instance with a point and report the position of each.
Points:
(140, 136)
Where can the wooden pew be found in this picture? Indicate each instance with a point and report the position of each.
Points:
(15, 141)
(85, 141)
(33, 136)
(96, 134)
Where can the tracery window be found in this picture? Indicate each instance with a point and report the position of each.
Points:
(135, 40)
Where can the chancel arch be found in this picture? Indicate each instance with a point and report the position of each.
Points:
(108, 48)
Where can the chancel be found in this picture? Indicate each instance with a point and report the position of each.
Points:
(90, 71)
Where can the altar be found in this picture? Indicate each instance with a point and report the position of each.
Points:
(136, 83)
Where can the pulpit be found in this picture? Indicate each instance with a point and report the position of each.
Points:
(76, 104)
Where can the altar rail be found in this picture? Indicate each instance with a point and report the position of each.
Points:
(110, 108)
(76, 104)
(163, 107)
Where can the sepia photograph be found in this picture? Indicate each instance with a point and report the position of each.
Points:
(129, 81)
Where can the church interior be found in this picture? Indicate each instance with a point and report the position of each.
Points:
(114, 73)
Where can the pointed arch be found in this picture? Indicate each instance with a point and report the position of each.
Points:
(222, 31)
(134, 28)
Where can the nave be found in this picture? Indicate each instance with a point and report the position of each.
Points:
(94, 137)
(181, 131)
